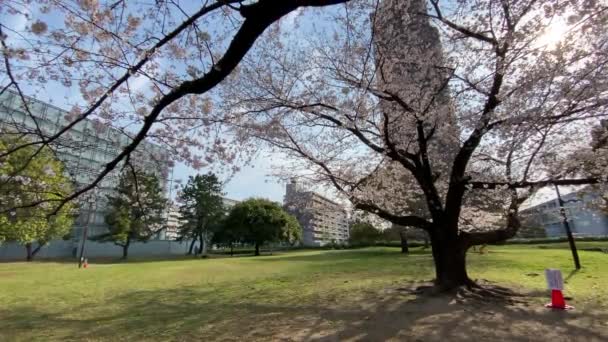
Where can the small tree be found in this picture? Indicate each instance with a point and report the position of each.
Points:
(135, 210)
(397, 232)
(259, 221)
(26, 176)
(364, 233)
(201, 209)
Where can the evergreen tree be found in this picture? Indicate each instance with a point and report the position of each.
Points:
(364, 233)
(135, 210)
(201, 209)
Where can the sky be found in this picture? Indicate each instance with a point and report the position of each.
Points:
(254, 179)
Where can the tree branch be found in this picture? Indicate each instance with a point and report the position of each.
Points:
(536, 184)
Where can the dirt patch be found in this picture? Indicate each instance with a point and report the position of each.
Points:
(396, 315)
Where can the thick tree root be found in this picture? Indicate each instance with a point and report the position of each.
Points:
(483, 291)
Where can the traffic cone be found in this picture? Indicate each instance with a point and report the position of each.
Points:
(86, 263)
(558, 301)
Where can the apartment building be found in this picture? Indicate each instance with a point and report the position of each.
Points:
(323, 221)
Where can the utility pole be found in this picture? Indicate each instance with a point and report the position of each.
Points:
(91, 200)
(562, 211)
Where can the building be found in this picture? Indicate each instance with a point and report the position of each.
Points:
(174, 220)
(84, 150)
(583, 218)
(173, 223)
(323, 221)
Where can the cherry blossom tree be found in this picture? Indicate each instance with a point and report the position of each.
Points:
(469, 106)
(145, 68)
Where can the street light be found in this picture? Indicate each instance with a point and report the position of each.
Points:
(91, 201)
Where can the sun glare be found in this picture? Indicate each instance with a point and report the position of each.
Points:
(553, 35)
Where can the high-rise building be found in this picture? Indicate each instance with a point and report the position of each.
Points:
(323, 221)
(84, 150)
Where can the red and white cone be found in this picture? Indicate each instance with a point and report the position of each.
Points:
(558, 301)
(86, 263)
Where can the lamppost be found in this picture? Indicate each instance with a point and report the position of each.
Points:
(562, 211)
(91, 201)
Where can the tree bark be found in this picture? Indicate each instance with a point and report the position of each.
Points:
(403, 236)
(257, 249)
(190, 250)
(449, 255)
(204, 243)
(28, 249)
(125, 249)
(201, 247)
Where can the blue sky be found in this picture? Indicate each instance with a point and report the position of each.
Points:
(252, 181)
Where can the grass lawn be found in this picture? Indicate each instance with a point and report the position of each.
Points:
(303, 295)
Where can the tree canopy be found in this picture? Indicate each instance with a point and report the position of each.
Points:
(135, 210)
(259, 221)
(469, 106)
(201, 210)
(26, 176)
(364, 233)
(148, 69)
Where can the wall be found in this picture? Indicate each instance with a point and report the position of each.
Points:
(69, 249)
(56, 249)
(138, 249)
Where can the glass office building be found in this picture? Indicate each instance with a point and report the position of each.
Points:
(84, 150)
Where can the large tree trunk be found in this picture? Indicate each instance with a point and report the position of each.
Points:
(257, 249)
(449, 255)
(403, 236)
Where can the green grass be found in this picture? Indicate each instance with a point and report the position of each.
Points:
(188, 299)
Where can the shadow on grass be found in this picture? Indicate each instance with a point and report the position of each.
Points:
(198, 314)
(571, 274)
(346, 254)
(134, 260)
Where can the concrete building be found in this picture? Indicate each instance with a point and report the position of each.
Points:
(323, 221)
(229, 203)
(583, 218)
(173, 223)
(84, 150)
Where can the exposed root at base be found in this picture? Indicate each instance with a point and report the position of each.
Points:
(482, 291)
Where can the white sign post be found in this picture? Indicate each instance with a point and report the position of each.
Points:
(555, 282)
(554, 279)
